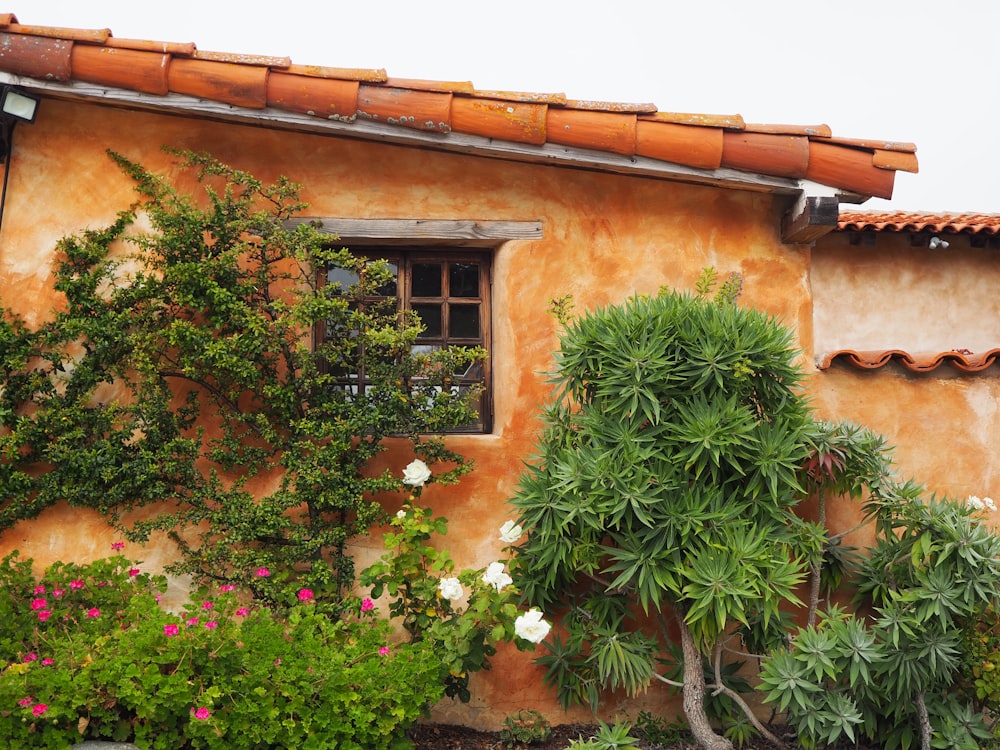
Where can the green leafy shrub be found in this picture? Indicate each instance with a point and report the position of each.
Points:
(107, 662)
(463, 615)
(609, 737)
(180, 366)
(525, 727)
(666, 474)
(932, 577)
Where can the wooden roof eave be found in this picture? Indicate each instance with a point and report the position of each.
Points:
(366, 129)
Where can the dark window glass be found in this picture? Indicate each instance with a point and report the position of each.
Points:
(426, 280)
(463, 280)
(430, 316)
(463, 321)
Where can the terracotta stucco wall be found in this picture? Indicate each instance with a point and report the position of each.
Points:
(605, 237)
(893, 295)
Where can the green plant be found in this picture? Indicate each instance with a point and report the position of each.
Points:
(608, 737)
(463, 615)
(179, 371)
(657, 730)
(932, 577)
(107, 662)
(525, 727)
(667, 470)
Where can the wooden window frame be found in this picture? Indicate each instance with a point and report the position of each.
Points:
(453, 236)
(405, 258)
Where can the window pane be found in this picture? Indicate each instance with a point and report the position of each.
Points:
(463, 280)
(463, 322)
(343, 276)
(430, 316)
(426, 280)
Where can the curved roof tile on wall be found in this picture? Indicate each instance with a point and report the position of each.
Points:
(862, 167)
(913, 222)
(907, 221)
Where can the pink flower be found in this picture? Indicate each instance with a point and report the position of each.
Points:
(133, 572)
(39, 589)
(206, 605)
(44, 615)
(25, 702)
(118, 545)
(263, 572)
(169, 630)
(30, 657)
(201, 713)
(242, 612)
(57, 592)
(47, 662)
(367, 605)
(37, 604)
(305, 595)
(77, 584)
(384, 651)
(192, 622)
(39, 709)
(227, 587)
(211, 624)
(93, 612)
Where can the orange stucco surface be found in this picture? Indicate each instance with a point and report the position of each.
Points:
(605, 237)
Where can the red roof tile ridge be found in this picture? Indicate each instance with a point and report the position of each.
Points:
(98, 36)
(869, 144)
(813, 131)
(912, 221)
(367, 75)
(263, 61)
(730, 122)
(526, 97)
(620, 107)
(961, 359)
(701, 141)
(183, 49)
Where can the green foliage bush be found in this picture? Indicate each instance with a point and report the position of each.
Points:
(107, 662)
(180, 367)
(461, 615)
(895, 676)
(666, 475)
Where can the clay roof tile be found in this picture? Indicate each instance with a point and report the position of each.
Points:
(702, 141)
(908, 221)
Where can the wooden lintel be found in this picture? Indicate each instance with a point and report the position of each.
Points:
(466, 232)
(810, 218)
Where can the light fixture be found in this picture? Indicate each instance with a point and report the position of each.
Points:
(15, 106)
(18, 105)
(937, 242)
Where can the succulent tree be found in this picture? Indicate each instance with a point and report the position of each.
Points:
(660, 503)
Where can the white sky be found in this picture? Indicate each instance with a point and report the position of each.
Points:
(921, 71)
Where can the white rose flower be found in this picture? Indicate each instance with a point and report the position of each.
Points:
(510, 532)
(975, 502)
(496, 577)
(988, 502)
(400, 514)
(450, 589)
(531, 627)
(416, 473)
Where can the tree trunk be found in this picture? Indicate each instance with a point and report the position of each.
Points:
(925, 723)
(816, 567)
(694, 694)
